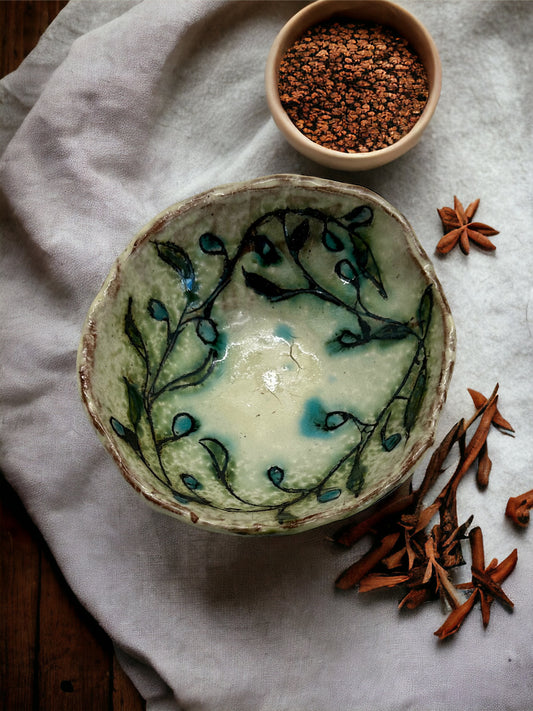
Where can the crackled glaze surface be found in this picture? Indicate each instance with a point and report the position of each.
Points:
(269, 356)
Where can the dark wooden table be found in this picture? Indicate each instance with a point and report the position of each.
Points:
(53, 655)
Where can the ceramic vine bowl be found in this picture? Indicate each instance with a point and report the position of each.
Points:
(269, 356)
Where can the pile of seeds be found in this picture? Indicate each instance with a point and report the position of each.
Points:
(352, 87)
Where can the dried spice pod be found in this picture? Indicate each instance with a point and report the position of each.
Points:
(451, 552)
(354, 574)
(485, 585)
(376, 581)
(406, 553)
(473, 449)
(350, 534)
(456, 618)
(478, 563)
(518, 508)
(459, 228)
(414, 598)
(480, 401)
(484, 466)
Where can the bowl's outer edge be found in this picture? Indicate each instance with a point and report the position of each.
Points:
(88, 343)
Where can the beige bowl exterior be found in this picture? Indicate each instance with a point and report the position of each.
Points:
(379, 11)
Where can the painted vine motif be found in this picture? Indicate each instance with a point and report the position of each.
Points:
(346, 239)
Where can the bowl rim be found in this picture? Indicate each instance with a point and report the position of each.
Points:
(89, 335)
(384, 12)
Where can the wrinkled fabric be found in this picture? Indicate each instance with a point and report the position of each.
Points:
(126, 107)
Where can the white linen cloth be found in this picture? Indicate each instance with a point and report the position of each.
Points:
(127, 106)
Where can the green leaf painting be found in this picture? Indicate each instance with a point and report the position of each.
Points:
(272, 265)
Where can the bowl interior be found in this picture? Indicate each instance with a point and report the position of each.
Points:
(269, 356)
(379, 11)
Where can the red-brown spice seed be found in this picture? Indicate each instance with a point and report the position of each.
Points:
(354, 72)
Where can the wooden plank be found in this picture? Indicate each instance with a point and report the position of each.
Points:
(125, 695)
(19, 599)
(53, 655)
(74, 656)
(51, 649)
(23, 22)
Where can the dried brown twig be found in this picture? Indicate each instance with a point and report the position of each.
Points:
(408, 552)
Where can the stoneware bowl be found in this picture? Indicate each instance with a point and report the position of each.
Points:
(381, 12)
(269, 356)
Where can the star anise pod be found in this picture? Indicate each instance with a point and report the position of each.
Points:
(457, 222)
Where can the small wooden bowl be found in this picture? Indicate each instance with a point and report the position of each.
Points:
(381, 12)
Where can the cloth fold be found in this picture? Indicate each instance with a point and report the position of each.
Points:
(128, 106)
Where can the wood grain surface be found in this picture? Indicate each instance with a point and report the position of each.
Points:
(53, 655)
